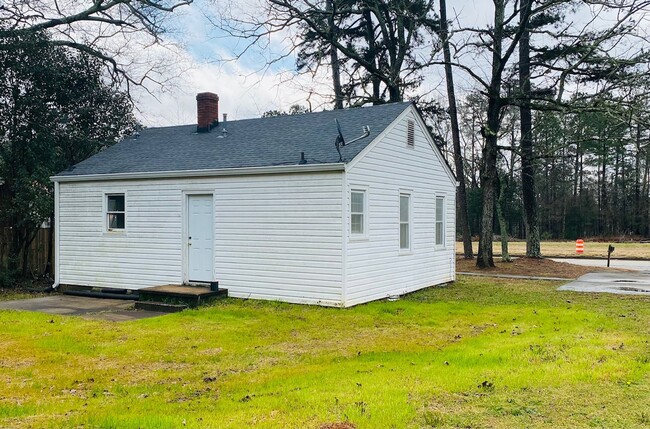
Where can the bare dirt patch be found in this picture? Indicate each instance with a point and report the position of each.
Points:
(530, 267)
(338, 425)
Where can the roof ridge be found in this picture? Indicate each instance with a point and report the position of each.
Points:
(319, 112)
(254, 142)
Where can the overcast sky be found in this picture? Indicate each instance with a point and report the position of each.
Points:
(245, 87)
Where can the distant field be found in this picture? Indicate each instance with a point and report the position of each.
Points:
(568, 249)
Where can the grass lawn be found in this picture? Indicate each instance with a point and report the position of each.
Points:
(550, 249)
(481, 353)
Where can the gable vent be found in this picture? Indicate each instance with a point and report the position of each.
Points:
(410, 133)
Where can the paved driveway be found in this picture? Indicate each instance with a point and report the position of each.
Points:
(117, 310)
(614, 263)
(627, 283)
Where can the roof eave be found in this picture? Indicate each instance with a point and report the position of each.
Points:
(275, 169)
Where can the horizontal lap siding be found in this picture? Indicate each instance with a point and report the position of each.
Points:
(374, 267)
(279, 237)
(147, 254)
(276, 236)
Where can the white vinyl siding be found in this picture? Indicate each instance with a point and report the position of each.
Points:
(376, 268)
(440, 221)
(287, 237)
(358, 213)
(276, 236)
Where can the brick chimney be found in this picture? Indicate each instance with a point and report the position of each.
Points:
(207, 111)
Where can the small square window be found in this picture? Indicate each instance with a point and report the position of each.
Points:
(115, 212)
(358, 212)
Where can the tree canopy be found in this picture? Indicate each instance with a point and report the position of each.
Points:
(56, 109)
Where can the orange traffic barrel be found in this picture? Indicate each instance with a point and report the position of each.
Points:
(580, 246)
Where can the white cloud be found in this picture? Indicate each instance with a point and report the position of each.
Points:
(243, 93)
(247, 87)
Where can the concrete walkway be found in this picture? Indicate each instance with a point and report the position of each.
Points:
(116, 310)
(636, 282)
(630, 283)
(614, 263)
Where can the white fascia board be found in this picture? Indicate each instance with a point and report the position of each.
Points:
(282, 169)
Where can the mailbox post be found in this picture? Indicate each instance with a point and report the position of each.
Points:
(610, 249)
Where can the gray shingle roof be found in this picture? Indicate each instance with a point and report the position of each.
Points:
(249, 143)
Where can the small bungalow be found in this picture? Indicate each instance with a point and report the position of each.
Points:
(333, 208)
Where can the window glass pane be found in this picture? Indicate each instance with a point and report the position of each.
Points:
(403, 208)
(115, 203)
(404, 236)
(357, 202)
(116, 221)
(439, 233)
(357, 224)
(440, 203)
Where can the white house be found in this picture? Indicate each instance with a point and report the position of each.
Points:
(268, 207)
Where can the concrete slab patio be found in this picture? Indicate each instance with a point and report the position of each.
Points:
(625, 283)
(117, 310)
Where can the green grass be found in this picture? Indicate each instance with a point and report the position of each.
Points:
(592, 249)
(13, 294)
(478, 354)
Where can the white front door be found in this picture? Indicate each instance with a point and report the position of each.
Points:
(200, 244)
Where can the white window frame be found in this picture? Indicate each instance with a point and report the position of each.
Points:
(405, 250)
(106, 212)
(442, 222)
(356, 235)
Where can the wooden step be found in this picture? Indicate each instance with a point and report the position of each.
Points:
(192, 296)
(159, 306)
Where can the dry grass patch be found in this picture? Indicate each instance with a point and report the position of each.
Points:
(530, 267)
(567, 249)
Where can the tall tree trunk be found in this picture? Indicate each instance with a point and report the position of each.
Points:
(637, 182)
(501, 200)
(490, 132)
(334, 57)
(644, 191)
(603, 188)
(489, 183)
(372, 55)
(531, 221)
(576, 170)
(394, 92)
(14, 263)
(463, 217)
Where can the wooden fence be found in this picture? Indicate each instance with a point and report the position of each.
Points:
(38, 251)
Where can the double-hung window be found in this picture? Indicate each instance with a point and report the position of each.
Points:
(440, 221)
(358, 213)
(115, 212)
(404, 222)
